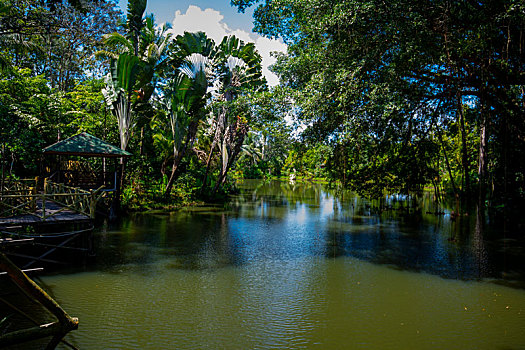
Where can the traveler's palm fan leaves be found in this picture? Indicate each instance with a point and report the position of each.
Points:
(187, 90)
(239, 67)
(118, 91)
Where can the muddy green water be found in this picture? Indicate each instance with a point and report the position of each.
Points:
(288, 266)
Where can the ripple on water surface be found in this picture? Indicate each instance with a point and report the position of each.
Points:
(302, 303)
(291, 266)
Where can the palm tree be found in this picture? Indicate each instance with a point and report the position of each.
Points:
(162, 138)
(118, 96)
(252, 148)
(130, 81)
(186, 93)
(238, 69)
(150, 47)
(118, 92)
(143, 41)
(195, 64)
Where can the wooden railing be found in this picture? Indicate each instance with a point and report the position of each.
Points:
(77, 178)
(16, 196)
(19, 198)
(18, 187)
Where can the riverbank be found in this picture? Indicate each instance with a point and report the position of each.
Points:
(294, 265)
(149, 197)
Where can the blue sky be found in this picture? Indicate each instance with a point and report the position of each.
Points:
(216, 19)
(164, 11)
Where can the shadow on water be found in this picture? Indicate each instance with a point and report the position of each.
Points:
(281, 221)
(294, 266)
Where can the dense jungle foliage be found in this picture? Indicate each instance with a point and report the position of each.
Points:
(379, 96)
(408, 93)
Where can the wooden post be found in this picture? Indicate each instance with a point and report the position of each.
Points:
(33, 198)
(92, 204)
(43, 206)
(61, 190)
(65, 323)
(24, 335)
(34, 291)
(3, 175)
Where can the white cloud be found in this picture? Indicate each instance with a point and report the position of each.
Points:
(265, 47)
(212, 23)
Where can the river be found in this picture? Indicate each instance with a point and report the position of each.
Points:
(293, 266)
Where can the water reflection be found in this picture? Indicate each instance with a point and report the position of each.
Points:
(276, 221)
(294, 266)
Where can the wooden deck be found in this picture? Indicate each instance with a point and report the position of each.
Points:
(54, 213)
(21, 204)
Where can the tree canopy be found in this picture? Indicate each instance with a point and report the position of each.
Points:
(382, 80)
(378, 96)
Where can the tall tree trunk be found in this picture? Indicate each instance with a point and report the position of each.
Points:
(453, 71)
(142, 141)
(464, 148)
(218, 131)
(208, 162)
(483, 155)
(234, 138)
(178, 156)
(174, 173)
(447, 162)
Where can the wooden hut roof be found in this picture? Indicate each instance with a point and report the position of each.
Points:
(85, 145)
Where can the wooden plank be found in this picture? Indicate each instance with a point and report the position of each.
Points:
(24, 335)
(34, 291)
(34, 257)
(49, 194)
(27, 220)
(36, 269)
(53, 213)
(51, 250)
(10, 241)
(61, 247)
(13, 307)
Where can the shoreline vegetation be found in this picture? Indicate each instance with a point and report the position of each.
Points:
(415, 108)
(388, 112)
(147, 201)
(152, 199)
